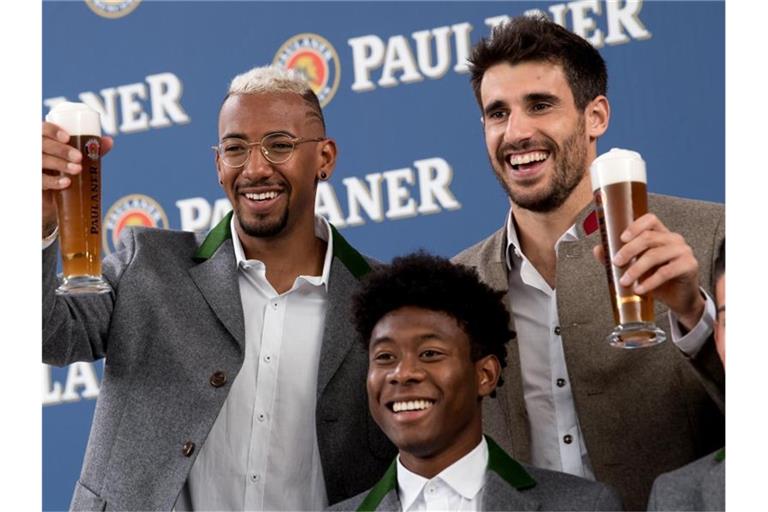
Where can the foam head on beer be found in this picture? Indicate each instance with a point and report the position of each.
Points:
(75, 118)
(617, 166)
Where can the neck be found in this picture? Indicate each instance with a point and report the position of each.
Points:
(538, 232)
(286, 255)
(428, 466)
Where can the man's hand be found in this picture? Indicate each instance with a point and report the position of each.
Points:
(661, 262)
(60, 161)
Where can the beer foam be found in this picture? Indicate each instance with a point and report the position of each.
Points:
(75, 118)
(617, 166)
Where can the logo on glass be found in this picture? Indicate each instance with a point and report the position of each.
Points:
(93, 149)
(316, 59)
(112, 8)
(131, 210)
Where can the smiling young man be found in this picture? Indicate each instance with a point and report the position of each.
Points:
(436, 341)
(232, 380)
(572, 402)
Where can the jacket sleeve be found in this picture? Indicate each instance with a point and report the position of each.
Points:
(76, 327)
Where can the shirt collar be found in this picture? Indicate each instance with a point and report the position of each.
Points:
(322, 231)
(586, 219)
(466, 476)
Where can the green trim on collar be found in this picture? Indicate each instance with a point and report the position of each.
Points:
(348, 255)
(218, 235)
(720, 456)
(387, 484)
(507, 467)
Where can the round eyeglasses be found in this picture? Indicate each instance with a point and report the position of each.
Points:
(276, 148)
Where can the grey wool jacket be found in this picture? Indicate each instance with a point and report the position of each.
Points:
(699, 485)
(642, 412)
(173, 321)
(509, 486)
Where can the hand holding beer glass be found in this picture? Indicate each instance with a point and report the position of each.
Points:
(79, 205)
(620, 191)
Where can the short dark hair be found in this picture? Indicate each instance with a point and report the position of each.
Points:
(434, 283)
(536, 38)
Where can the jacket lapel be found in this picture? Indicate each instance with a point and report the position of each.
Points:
(216, 278)
(347, 268)
(505, 478)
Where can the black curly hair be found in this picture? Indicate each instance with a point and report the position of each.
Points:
(431, 282)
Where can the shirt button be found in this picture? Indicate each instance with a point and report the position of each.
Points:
(560, 383)
(188, 449)
(218, 379)
(557, 330)
(267, 359)
(261, 416)
(274, 305)
(255, 478)
(567, 439)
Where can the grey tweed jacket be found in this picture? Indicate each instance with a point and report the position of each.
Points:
(699, 485)
(509, 486)
(173, 321)
(642, 412)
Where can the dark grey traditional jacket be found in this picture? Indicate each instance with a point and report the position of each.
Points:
(509, 486)
(172, 322)
(642, 412)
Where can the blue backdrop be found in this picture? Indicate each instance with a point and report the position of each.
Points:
(412, 170)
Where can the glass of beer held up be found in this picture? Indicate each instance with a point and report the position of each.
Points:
(620, 190)
(79, 205)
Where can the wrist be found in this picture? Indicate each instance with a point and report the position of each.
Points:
(689, 319)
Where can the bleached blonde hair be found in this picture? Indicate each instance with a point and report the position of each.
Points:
(274, 79)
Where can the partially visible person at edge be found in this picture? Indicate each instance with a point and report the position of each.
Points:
(699, 485)
(573, 403)
(232, 378)
(436, 341)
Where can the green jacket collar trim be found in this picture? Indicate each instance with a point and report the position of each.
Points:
(498, 462)
(720, 456)
(347, 254)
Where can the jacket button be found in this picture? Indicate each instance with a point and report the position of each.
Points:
(188, 449)
(218, 379)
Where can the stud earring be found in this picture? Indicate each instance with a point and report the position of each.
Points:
(323, 176)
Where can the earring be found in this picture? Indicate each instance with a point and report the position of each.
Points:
(323, 176)
(221, 182)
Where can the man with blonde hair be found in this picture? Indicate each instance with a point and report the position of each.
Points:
(232, 378)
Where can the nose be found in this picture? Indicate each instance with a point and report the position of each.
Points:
(258, 166)
(519, 128)
(408, 370)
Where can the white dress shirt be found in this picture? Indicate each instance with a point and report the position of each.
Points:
(556, 439)
(262, 452)
(457, 487)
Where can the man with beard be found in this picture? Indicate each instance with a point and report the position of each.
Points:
(232, 379)
(573, 403)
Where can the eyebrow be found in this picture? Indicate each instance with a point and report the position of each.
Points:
(243, 136)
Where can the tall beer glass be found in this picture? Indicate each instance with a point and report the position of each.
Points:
(79, 205)
(620, 191)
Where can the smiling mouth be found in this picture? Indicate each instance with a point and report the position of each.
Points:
(525, 161)
(410, 405)
(263, 196)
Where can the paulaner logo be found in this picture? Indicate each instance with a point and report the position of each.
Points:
(316, 59)
(131, 210)
(113, 8)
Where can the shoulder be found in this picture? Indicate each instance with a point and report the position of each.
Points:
(351, 503)
(482, 251)
(555, 489)
(142, 237)
(690, 475)
(683, 210)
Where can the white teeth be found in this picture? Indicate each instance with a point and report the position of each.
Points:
(262, 196)
(413, 405)
(526, 158)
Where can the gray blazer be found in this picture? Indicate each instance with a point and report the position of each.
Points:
(509, 485)
(698, 486)
(173, 321)
(642, 412)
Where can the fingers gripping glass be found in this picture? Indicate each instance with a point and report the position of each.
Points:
(276, 148)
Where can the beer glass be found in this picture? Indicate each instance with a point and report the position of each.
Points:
(79, 205)
(620, 191)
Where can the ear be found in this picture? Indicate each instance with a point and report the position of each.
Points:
(219, 172)
(487, 370)
(597, 115)
(327, 158)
